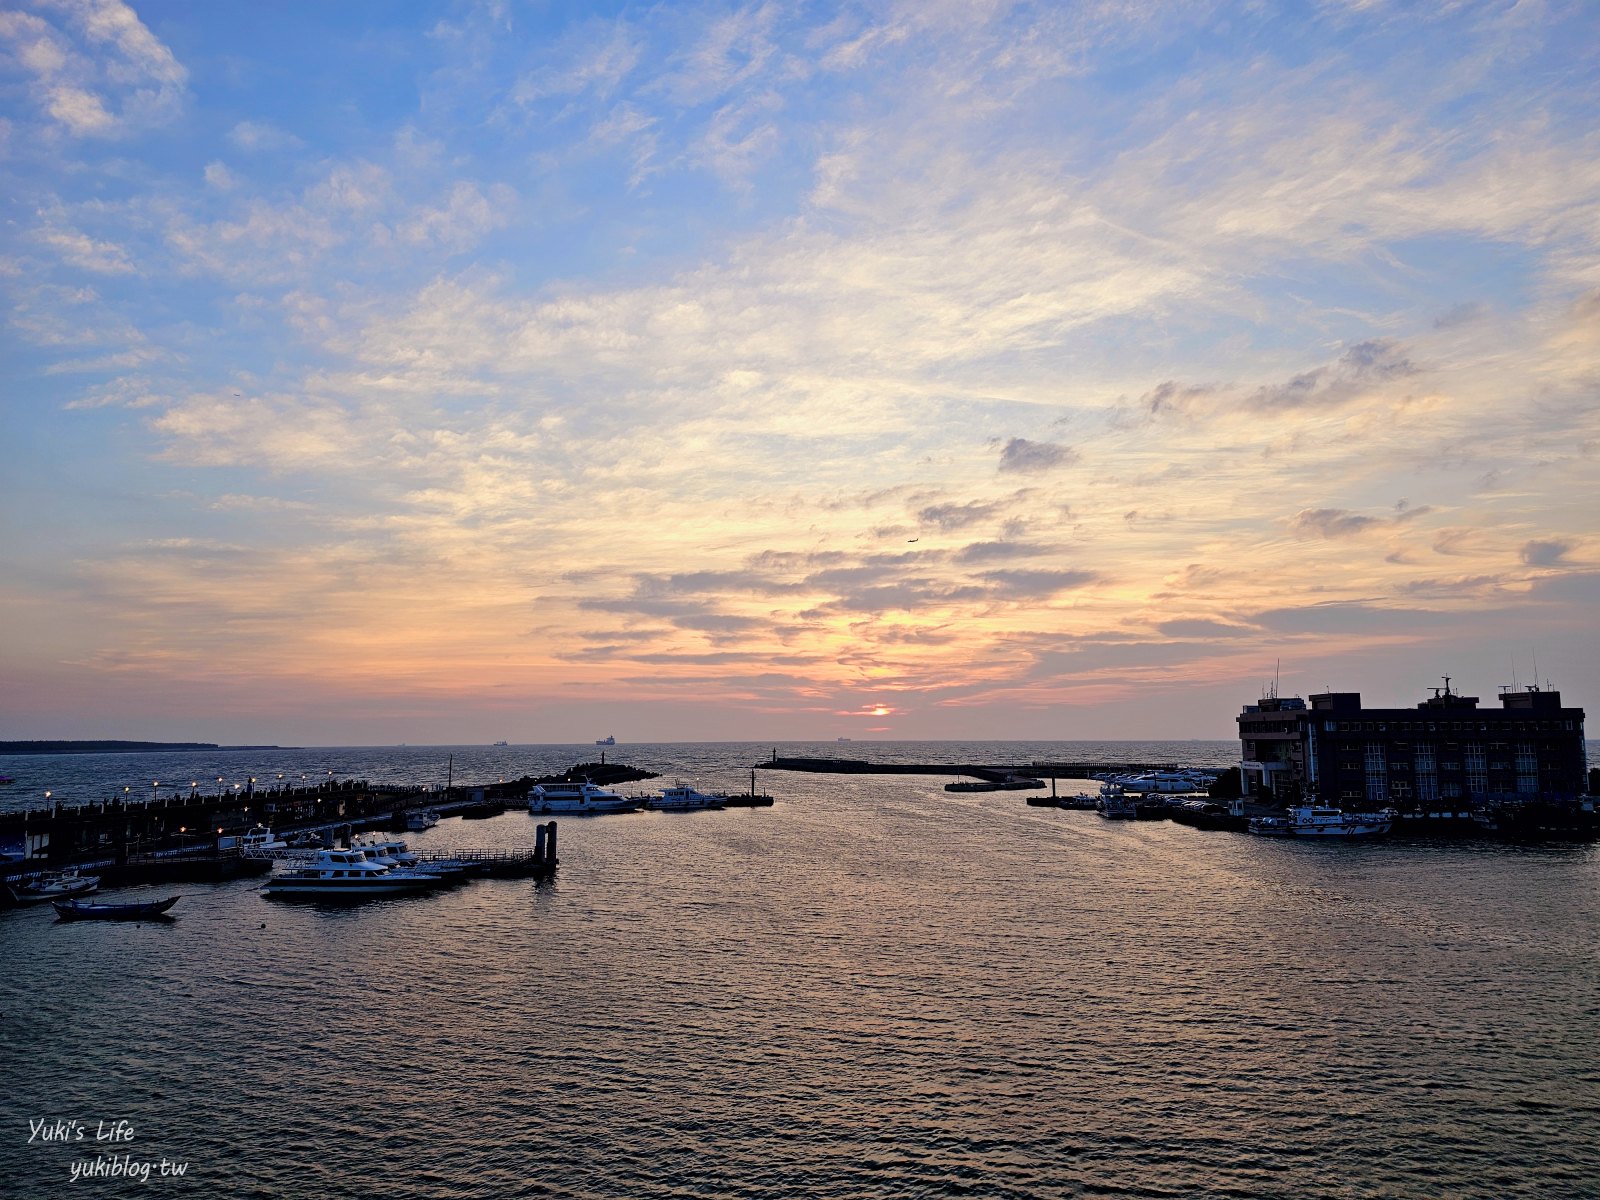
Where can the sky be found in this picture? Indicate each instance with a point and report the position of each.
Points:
(381, 372)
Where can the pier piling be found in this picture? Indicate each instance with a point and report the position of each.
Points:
(538, 841)
(550, 843)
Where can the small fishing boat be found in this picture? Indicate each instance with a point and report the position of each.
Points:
(77, 910)
(55, 885)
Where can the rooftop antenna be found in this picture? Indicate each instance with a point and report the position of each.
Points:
(1446, 679)
(1536, 670)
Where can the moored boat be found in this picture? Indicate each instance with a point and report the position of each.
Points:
(580, 799)
(683, 798)
(388, 852)
(50, 886)
(260, 842)
(77, 910)
(1116, 805)
(345, 874)
(1311, 821)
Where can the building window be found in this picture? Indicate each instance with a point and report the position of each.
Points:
(1527, 768)
(1377, 774)
(1427, 773)
(1477, 769)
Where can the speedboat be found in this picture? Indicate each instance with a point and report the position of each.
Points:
(52, 885)
(1310, 821)
(683, 798)
(347, 873)
(582, 799)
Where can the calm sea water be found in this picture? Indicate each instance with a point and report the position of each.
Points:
(874, 989)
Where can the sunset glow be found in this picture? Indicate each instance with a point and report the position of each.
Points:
(718, 372)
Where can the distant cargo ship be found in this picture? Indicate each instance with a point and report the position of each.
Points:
(608, 740)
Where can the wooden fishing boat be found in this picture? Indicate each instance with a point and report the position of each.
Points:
(77, 910)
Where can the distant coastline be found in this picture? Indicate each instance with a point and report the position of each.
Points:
(117, 747)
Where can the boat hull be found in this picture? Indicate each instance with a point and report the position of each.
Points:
(344, 889)
(72, 910)
(25, 896)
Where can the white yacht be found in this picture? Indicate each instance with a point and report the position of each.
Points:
(388, 852)
(260, 841)
(581, 799)
(1310, 821)
(1165, 782)
(346, 873)
(423, 818)
(683, 798)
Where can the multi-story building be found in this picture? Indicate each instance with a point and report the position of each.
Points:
(1445, 749)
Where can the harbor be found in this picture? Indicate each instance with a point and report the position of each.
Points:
(841, 917)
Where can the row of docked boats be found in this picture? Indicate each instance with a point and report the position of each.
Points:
(367, 867)
(585, 799)
(1115, 803)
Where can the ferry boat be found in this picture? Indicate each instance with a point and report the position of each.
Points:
(1310, 821)
(683, 798)
(346, 873)
(581, 799)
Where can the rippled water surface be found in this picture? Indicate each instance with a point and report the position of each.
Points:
(875, 988)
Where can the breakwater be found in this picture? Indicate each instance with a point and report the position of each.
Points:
(992, 771)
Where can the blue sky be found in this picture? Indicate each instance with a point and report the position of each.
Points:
(402, 373)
